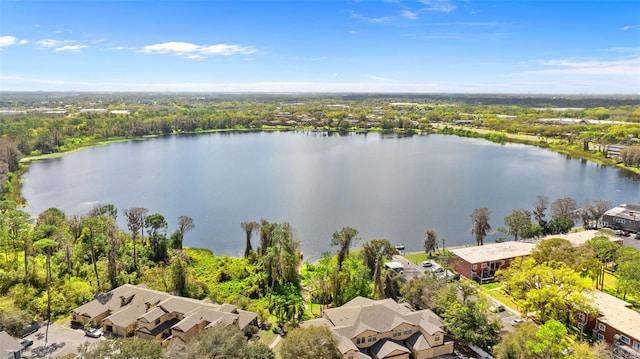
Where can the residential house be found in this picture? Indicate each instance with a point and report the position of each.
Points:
(625, 217)
(137, 310)
(383, 329)
(481, 262)
(616, 323)
(10, 348)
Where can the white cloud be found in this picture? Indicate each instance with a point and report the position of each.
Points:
(170, 47)
(630, 27)
(47, 43)
(438, 5)
(73, 48)
(195, 57)
(224, 49)
(352, 32)
(408, 14)
(194, 51)
(379, 78)
(22, 42)
(7, 40)
(629, 66)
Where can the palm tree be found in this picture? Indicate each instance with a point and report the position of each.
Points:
(135, 223)
(249, 228)
(344, 238)
(47, 245)
(480, 222)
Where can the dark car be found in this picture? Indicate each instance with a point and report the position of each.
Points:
(32, 328)
(26, 342)
(637, 236)
(497, 308)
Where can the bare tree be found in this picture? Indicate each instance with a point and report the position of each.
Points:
(430, 240)
(564, 207)
(344, 238)
(590, 212)
(540, 209)
(249, 228)
(185, 224)
(135, 222)
(480, 222)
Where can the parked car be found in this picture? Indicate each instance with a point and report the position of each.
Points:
(93, 332)
(427, 264)
(26, 342)
(618, 232)
(32, 328)
(497, 308)
(637, 236)
(437, 270)
(517, 321)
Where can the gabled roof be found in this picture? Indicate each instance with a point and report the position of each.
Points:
(8, 344)
(361, 314)
(618, 314)
(381, 316)
(388, 347)
(418, 342)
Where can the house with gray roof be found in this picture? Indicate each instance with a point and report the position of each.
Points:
(625, 216)
(384, 329)
(10, 348)
(137, 310)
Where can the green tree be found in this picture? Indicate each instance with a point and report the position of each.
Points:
(185, 224)
(157, 225)
(344, 239)
(517, 222)
(377, 248)
(125, 348)
(480, 224)
(135, 222)
(550, 340)
(218, 342)
(48, 246)
(551, 289)
(313, 342)
(430, 243)
(249, 229)
(469, 322)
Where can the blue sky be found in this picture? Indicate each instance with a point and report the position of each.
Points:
(461, 46)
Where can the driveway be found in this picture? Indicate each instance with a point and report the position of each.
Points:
(61, 341)
(410, 270)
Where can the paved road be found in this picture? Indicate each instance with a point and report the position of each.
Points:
(61, 341)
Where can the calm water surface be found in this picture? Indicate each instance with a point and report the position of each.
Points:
(385, 186)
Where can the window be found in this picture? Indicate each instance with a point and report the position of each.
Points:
(359, 340)
(437, 338)
(602, 327)
(350, 356)
(370, 338)
(474, 267)
(636, 346)
(625, 339)
(374, 338)
(484, 265)
(600, 336)
(581, 316)
(157, 321)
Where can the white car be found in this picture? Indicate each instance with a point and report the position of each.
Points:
(427, 264)
(517, 321)
(93, 333)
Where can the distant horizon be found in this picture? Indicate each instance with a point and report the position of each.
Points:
(313, 46)
(160, 92)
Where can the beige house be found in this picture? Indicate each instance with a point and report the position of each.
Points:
(137, 310)
(384, 329)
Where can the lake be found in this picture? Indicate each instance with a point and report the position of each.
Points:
(385, 186)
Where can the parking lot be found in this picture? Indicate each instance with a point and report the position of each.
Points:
(61, 341)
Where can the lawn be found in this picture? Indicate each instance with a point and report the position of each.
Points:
(416, 258)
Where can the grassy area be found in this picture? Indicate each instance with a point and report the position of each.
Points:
(416, 258)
